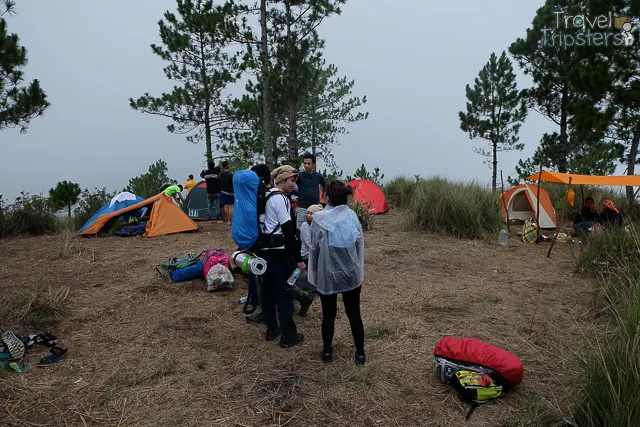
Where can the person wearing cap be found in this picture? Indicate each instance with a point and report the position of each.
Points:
(305, 233)
(281, 257)
(610, 215)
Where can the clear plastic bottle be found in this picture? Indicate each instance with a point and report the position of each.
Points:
(292, 279)
(503, 236)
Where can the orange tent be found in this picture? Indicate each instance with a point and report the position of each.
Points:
(522, 204)
(563, 178)
(165, 218)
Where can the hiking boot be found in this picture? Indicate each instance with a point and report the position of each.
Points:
(255, 317)
(272, 334)
(360, 359)
(285, 343)
(326, 356)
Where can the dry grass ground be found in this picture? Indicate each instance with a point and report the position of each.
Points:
(147, 352)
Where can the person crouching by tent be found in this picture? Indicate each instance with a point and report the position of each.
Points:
(610, 216)
(336, 266)
(588, 216)
(174, 192)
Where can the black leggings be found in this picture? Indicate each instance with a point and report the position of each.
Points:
(351, 301)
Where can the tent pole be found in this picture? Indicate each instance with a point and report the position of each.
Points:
(564, 203)
(504, 203)
(538, 207)
(632, 199)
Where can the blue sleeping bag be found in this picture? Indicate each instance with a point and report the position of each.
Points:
(244, 228)
(191, 272)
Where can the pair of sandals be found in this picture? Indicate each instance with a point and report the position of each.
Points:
(14, 347)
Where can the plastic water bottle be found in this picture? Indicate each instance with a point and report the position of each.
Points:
(242, 300)
(503, 236)
(292, 279)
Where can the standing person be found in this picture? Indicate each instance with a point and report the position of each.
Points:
(190, 184)
(174, 192)
(226, 191)
(276, 222)
(210, 176)
(309, 183)
(336, 266)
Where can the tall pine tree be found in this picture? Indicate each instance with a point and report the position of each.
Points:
(195, 45)
(495, 110)
(18, 104)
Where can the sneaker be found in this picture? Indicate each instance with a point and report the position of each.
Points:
(327, 357)
(14, 344)
(255, 318)
(272, 334)
(285, 343)
(360, 359)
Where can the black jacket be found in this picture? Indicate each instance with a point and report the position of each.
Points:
(211, 178)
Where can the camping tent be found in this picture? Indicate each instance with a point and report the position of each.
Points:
(118, 203)
(368, 193)
(165, 218)
(522, 202)
(196, 204)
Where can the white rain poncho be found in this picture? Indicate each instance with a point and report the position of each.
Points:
(336, 255)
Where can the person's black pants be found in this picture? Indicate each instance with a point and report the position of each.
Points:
(275, 298)
(351, 301)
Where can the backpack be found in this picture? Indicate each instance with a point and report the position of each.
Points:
(250, 202)
(214, 257)
(184, 267)
(475, 383)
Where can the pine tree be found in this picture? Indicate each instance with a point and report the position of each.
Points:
(195, 44)
(148, 184)
(559, 73)
(64, 195)
(18, 104)
(495, 110)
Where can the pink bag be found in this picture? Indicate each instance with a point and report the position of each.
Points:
(213, 257)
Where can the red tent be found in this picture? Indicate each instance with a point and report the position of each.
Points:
(368, 193)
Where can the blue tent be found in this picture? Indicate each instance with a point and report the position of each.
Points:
(112, 206)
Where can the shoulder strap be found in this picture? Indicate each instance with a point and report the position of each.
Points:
(267, 197)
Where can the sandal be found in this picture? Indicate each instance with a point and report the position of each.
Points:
(57, 353)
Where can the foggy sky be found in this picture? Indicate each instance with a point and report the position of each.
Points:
(412, 59)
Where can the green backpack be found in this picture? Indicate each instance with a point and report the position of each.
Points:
(177, 263)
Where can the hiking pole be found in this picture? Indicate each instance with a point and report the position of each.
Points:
(504, 203)
(564, 203)
(538, 207)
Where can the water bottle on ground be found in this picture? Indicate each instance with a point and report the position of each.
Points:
(503, 236)
(292, 279)
(242, 300)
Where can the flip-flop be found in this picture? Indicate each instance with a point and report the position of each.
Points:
(57, 353)
(15, 345)
(44, 339)
(12, 366)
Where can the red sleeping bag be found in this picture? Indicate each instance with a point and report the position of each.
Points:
(474, 351)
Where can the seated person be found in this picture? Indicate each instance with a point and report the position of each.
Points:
(588, 216)
(144, 214)
(610, 215)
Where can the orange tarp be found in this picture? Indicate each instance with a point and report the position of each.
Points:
(166, 218)
(563, 178)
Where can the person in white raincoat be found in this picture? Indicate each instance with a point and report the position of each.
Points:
(336, 266)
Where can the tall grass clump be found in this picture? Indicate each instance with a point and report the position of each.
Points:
(463, 209)
(399, 191)
(611, 390)
(29, 214)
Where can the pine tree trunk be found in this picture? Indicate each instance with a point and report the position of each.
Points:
(564, 138)
(292, 144)
(313, 135)
(207, 106)
(266, 89)
(633, 155)
(494, 176)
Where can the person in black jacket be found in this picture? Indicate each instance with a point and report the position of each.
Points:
(210, 175)
(588, 216)
(610, 215)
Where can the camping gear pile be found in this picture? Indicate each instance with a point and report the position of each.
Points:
(479, 371)
(13, 349)
(211, 264)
